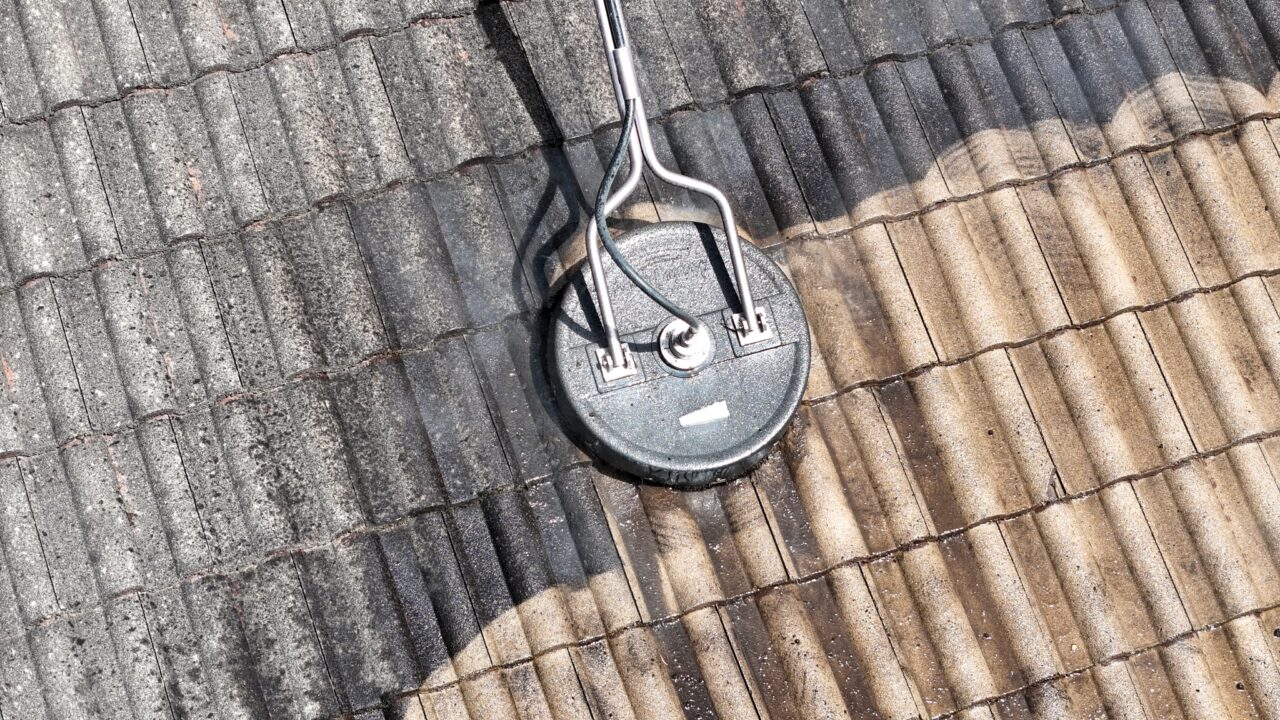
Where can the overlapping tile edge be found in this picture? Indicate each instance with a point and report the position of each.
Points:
(953, 346)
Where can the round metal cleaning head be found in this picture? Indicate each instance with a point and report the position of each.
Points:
(685, 411)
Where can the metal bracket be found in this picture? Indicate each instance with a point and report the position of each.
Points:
(751, 333)
(612, 372)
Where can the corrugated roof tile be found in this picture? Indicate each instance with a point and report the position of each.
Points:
(290, 665)
(1084, 479)
(395, 469)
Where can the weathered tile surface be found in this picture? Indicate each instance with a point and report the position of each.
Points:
(276, 438)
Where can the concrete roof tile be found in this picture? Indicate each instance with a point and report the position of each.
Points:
(266, 126)
(26, 425)
(35, 215)
(339, 308)
(29, 579)
(448, 392)
(290, 667)
(21, 94)
(54, 508)
(282, 301)
(349, 595)
(70, 411)
(1042, 518)
(396, 472)
(417, 288)
(243, 319)
(212, 487)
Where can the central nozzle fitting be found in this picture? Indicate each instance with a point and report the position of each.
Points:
(683, 347)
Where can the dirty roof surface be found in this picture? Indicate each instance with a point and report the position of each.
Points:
(277, 442)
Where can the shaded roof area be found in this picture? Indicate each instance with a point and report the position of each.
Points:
(276, 439)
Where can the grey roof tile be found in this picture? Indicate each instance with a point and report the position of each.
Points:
(266, 125)
(129, 65)
(202, 651)
(631, 530)
(52, 352)
(313, 477)
(414, 281)
(216, 35)
(979, 108)
(1211, 97)
(1001, 14)
(135, 656)
(299, 82)
(889, 90)
(899, 34)
(152, 381)
(21, 94)
(110, 508)
(520, 398)
(265, 480)
(47, 34)
(490, 595)
(25, 423)
(352, 16)
(349, 596)
(244, 320)
(209, 477)
(196, 158)
(123, 179)
(452, 115)
(1067, 96)
(436, 561)
(508, 100)
(1113, 82)
(35, 215)
(940, 129)
(191, 308)
(54, 510)
(542, 202)
(396, 471)
(480, 246)
(607, 601)
(570, 75)
(777, 182)
(20, 693)
(448, 394)
(84, 185)
(234, 165)
(408, 91)
(573, 612)
(372, 136)
(161, 42)
(339, 307)
(26, 565)
(164, 481)
(290, 666)
(78, 666)
(282, 301)
(310, 23)
(661, 63)
(710, 146)
(399, 549)
(829, 155)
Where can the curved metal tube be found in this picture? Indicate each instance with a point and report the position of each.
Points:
(640, 150)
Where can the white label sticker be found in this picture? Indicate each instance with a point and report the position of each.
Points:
(711, 413)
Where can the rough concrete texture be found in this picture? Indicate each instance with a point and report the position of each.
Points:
(276, 440)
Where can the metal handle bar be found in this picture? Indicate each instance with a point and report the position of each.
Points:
(750, 325)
